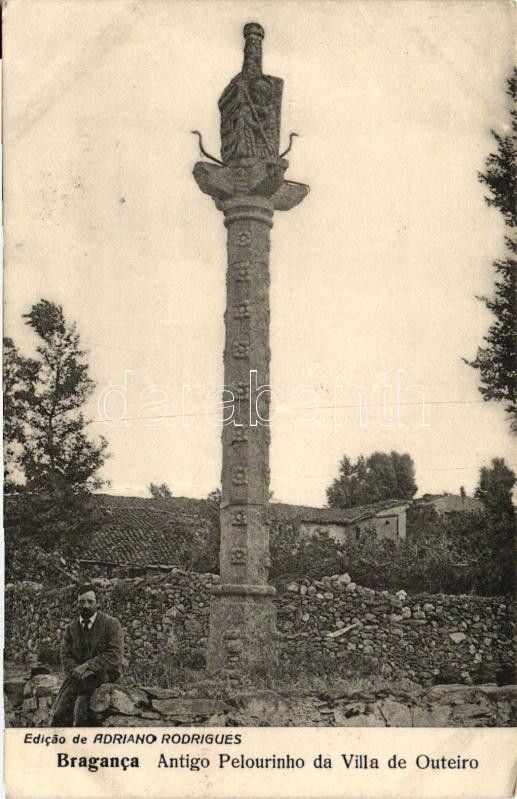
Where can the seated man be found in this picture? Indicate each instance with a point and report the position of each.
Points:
(92, 653)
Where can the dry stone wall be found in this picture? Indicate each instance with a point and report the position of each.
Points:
(330, 625)
(428, 638)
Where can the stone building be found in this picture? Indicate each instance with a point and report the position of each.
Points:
(385, 520)
(444, 504)
(425, 512)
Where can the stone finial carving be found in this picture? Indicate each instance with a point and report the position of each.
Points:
(253, 34)
(251, 165)
(250, 107)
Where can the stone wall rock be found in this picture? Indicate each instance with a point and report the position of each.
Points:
(28, 702)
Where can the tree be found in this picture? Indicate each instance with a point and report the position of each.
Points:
(47, 431)
(495, 487)
(160, 491)
(56, 452)
(404, 469)
(497, 360)
(482, 545)
(380, 476)
(344, 491)
(19, 377)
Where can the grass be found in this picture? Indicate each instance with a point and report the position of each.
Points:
(282, 678)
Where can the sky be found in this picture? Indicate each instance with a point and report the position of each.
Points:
(374, 276)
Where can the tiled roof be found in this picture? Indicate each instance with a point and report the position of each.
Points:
(282, 511)
(138, 530)
(450, 503)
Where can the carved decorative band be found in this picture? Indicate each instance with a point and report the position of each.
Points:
(238, 504)
(242, 310)
(244, 267)
(239, 208)
(240, 435)
(239, 519)
(239, 477)
(248, 213)
(241, 349)
(240, 201)
(243, 590)
(232, 634)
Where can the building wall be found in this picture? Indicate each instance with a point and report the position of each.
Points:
(385, 527)
(339, 532)
(389, 523)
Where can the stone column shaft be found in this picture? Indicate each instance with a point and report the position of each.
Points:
(244, 555)
(242, 616)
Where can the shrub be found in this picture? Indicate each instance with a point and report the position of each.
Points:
(469, 552)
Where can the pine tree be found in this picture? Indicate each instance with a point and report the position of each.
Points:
(49, 447)
(57, 453)
(497, 360)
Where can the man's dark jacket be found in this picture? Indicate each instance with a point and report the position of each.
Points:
(101, 648)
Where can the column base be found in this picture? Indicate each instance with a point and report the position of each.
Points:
(242, 628)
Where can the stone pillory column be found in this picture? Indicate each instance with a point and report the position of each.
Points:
(248, 185)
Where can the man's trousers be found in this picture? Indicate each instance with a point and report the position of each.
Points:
(72, 705)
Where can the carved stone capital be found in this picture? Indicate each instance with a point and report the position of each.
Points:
(261, 180)
(258, 177)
